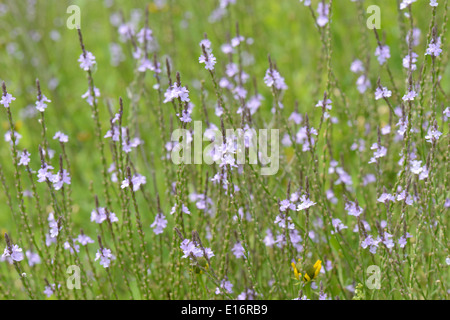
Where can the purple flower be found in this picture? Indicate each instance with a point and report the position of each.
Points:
(14, 252)
(357, 66)
(403, 240)
(406, 3)
(269, 240)
(205, 43)
(410, 95)
(9, 137)
(353, 209)
(33, 258)
(44, 173)
(225, 286)
(98, 215)
(159, 224)
(286, 204)
(338, 225)
(71, 248)
(61, 137)
(296, 117)
(24, 158)
(49, 290)
(209, 60)
(105, 257)
(145, 34)
(145, 64)
(386, 197)
(363, 83)
(189, 248)
(6, 99)
(273, 78)
(379, 152)
(84, 239)
(327, 105)
(281, 221)
(387, 241)
(382, 53)
(238, 250)
(225, 3)
(86, 60)
(41, 104)
(186, 116)
(432, 135)
(89, 98)
(176, 92)
(407, 197)
(305, 203)
(60, 179)
(237, 41)
(382, 93)
(407, 61)
(416, 168)
(323, 10)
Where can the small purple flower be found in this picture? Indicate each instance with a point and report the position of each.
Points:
(89, 98)
(49, 290)
(209, 60)
(84, 239)
(98, 215)
(24, 158)
(406, 3)
(353, 209)
(33, 258)
(338, 225)
(382, 53)
(408, 61)
(189, 248)
(61, 137)
(403, 240)
(14, 252)
(86, 60)
(379, 152)
(105, 257)
(382, 93)
(434, 48)
(44, 173)
(9, 137)
(176, 92)
(60, 179)
(296, 117)
(432, 135)
(6, 100)
(145, 34)
(305, 203)
(434, 3)
(41, 104)
(357, 66)
(238, 250)
(323, 10)
(281, 221)
(410, 95)
(327, 105)
(159, 224)
(386, 197)
(225, 286)
(273, 78)
(71, 248)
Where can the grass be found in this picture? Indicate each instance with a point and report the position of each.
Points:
(36, 43)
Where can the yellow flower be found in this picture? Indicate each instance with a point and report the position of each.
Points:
(310, 271)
